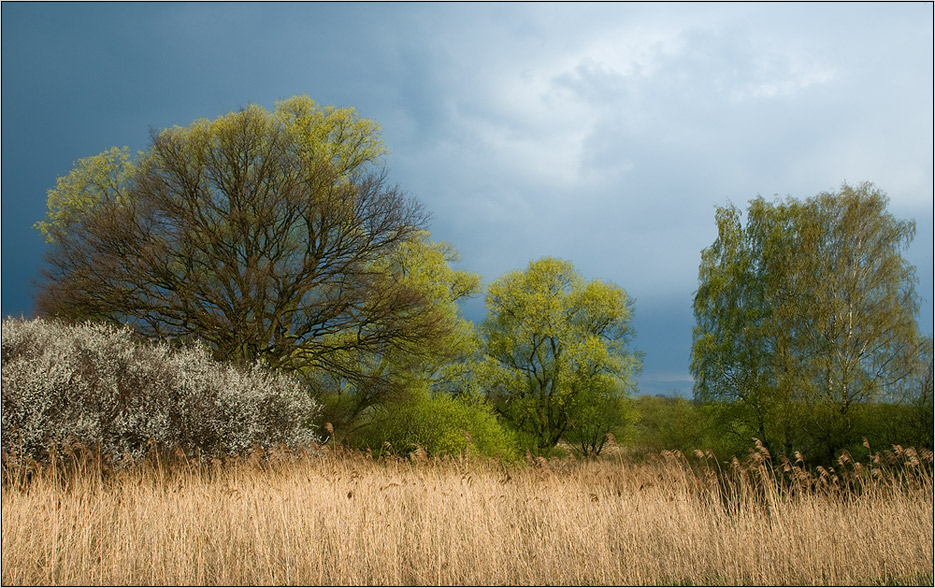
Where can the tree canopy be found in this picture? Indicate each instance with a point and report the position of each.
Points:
(264, 234)
(804, 313)
(554, 345)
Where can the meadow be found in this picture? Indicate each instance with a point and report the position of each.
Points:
(342, 518)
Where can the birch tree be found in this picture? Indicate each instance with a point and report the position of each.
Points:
(806, 311)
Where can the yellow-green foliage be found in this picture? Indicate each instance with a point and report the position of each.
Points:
(551, 340)
(332, 135)
(393, 374)
(103, 177)
(440, 425)
(805, 310)
(258, 233)
(426, 267)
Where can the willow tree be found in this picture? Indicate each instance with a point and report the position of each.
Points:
(556, 347)
(804, 314)
(261, 233)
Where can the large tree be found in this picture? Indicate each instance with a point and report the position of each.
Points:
(554, 346)
(261, 233)
(804, 313)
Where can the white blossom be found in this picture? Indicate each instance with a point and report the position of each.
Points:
(95, 385)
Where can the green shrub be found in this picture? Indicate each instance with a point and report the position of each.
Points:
(663, 423)
(441, 425)
(95, 385)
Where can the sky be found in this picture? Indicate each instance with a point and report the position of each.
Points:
(604, 134)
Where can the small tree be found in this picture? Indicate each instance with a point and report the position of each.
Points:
(602, 410)
(552, 343)
(440, 424)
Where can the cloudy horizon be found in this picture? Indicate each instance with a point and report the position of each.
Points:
(604, 134)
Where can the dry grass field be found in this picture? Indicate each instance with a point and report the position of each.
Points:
(347, 519)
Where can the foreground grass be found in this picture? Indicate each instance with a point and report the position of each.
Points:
(351, 520)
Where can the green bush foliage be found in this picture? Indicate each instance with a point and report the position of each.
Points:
(673, 423)
(439, 424)
(666, 424)
(96, 385)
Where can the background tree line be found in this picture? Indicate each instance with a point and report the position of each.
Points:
(275, 237)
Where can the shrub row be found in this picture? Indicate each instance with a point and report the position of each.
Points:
(97, 385)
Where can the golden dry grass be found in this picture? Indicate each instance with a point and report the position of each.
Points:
(350, 520)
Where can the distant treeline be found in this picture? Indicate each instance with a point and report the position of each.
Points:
(673, 423)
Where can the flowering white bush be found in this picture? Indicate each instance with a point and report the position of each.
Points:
(96, 385)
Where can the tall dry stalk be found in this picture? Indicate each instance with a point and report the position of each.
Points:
(342, 518)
